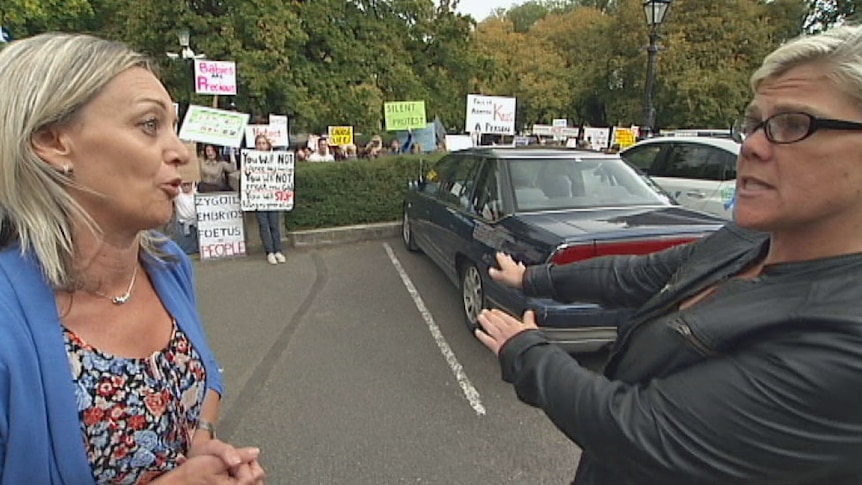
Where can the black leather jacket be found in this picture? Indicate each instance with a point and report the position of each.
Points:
(759, 383)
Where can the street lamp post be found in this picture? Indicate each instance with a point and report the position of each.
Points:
(655, 11)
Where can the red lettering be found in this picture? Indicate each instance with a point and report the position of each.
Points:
(283, 195)
(498, 115)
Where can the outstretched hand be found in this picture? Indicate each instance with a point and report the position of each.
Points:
(497, 327)
(510, 272)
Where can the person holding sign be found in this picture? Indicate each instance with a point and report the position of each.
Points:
(214, 170)
(105, 371)
(269, 222)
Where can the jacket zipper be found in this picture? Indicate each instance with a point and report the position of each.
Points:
(683, 329)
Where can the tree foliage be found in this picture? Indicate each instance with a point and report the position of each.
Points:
(332, 62)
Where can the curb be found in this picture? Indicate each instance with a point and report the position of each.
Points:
(331, 236)
(343, 235)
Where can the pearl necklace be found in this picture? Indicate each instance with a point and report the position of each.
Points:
(125, 297)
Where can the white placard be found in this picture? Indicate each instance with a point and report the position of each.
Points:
(276, 134)
(490, 115)
(561, 131)
(220, 229)
(278, 120)
(458, 142)
(214, 126)
(215, 77)
(597, 137)
(267, 180)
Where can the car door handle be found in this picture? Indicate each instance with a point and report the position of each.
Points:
(695, 194)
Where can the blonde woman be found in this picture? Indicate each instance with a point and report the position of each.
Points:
(269, 222)
(105, 371)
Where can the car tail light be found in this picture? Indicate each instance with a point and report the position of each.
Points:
(580, 252)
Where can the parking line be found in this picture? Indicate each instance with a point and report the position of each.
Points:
(470, 392)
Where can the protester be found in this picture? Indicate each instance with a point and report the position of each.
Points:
(322, 154)
(743, 361)
(105, 373)
(374, 147)
(350, 152)
(186, 219)
(214, 170)
(268, 222)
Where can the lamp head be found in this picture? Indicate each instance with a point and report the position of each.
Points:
(655, 11)
(183, 37)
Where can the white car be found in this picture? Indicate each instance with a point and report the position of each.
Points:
(698, 171)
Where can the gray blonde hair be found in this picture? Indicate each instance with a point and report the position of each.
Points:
(45, 81)
(839, 49)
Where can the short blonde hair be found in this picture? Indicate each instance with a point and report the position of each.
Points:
(839, 50)
(45, 81)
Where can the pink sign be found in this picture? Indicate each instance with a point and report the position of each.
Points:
(215, 77)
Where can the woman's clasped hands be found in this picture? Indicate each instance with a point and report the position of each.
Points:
(216, 462)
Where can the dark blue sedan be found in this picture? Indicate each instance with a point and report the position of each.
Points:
(540, 205)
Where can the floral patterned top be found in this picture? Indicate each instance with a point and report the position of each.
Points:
(137, 415)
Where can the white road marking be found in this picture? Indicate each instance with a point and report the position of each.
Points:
(470, 392)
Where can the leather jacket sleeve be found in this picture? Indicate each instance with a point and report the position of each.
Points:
(778, 409)
(612, 281)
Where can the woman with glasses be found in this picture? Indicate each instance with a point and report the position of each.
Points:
(743, 361)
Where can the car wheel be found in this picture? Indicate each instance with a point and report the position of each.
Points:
(472, 294)
(407, 233)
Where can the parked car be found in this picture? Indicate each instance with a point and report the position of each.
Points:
(540, 205)
(698, 171)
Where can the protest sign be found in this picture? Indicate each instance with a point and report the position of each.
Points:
(559, 132)
(215, 77)
(276, 134)
(624, 137)
(598, 138)
(220, 229)
(267, 180)
(340, 135)
(424, 138)
(278, 120)
(215, 126)
(458, 142)
(404, 115)
(490, 115)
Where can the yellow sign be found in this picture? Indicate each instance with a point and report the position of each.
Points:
(625, 137)
(340, 135)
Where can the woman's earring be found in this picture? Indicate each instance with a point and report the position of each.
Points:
(67, 170)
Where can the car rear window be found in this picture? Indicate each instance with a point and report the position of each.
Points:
(559, 183)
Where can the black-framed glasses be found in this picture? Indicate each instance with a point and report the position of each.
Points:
(783, 128)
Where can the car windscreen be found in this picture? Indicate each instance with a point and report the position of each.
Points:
(569, 183)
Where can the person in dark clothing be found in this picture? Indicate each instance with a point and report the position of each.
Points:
(743, 361)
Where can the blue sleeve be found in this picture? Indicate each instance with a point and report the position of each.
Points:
(214, 380)
(195, 329)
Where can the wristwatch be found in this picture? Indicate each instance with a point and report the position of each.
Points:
(207, 426)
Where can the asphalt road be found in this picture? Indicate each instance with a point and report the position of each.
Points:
(341, 376)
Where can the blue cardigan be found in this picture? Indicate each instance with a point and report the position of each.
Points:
(40, 431)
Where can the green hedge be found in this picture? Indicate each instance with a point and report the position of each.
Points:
(353, 192)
